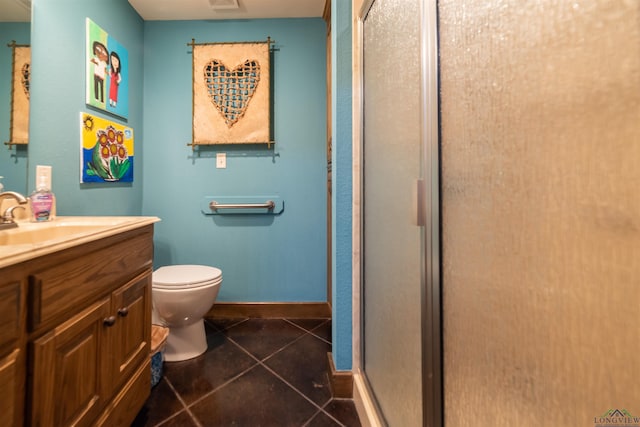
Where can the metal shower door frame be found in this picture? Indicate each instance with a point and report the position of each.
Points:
(428, 206)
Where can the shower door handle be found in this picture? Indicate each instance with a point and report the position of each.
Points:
(420, 208)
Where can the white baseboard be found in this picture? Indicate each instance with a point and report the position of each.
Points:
(364, 404)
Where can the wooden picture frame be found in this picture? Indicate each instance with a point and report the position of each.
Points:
(20, 85)
(231, 93)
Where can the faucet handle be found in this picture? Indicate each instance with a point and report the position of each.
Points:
(8, 214)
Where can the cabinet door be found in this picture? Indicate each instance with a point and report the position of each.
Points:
(12, 360)
(131, 335)
(67, 365)
(10, 315)
(11, 390)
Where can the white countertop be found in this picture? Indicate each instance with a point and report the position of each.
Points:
(37, 239)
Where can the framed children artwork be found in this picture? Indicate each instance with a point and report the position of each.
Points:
(107, 80)
(106, 150)
(231, 93)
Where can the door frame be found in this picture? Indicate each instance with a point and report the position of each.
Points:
(432, 381)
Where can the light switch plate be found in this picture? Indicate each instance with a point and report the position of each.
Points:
(43, 171)
(221, 160)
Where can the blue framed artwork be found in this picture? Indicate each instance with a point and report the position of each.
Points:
(107, 72)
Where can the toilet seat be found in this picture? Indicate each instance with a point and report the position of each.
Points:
(185, 277)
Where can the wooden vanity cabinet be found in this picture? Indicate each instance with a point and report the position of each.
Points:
(82, 364)
(88, 332)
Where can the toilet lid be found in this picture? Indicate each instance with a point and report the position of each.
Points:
(182, 276)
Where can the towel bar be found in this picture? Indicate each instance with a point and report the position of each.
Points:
(256, 204)
(269, 204)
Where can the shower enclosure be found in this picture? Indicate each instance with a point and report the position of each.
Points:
(500, 215)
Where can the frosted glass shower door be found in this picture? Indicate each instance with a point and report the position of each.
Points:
(392, 239)
(540, 122)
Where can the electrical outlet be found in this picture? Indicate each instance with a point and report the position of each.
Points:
(221, 160)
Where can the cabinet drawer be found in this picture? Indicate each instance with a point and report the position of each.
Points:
(85, 275)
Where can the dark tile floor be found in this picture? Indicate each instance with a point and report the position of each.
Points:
(256, 372)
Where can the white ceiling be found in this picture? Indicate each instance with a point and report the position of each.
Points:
(15, 10)
(163, 10)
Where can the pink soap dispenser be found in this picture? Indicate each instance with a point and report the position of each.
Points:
(42, 199)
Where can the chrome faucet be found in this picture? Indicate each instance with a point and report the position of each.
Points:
(7, 219)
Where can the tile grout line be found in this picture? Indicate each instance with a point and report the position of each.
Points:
(276, 351)
(211, 322)
(331, 416)
(230, 380)
(310, 331)
(260, 362)
(185, 408)
(306, 424)
(320, 409)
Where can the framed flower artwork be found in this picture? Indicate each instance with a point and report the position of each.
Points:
(106, 150)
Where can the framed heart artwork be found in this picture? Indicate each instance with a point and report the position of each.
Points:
(231, 93)
(21, 80)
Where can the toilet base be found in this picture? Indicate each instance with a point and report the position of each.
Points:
(185, 342)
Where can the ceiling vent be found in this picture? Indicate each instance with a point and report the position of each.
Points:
(223, 4)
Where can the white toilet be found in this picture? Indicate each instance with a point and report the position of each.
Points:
(182, 294)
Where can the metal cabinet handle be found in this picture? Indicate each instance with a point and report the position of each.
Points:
(109, 321)
(123, 312)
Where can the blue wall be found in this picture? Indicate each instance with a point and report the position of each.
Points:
(342, 195)
(58, 97)
(13, 162)
(263, 257)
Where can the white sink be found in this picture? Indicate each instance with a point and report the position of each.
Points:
(31, 239)
(29, 233)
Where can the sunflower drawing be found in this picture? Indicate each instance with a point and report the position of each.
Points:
(110, 160)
